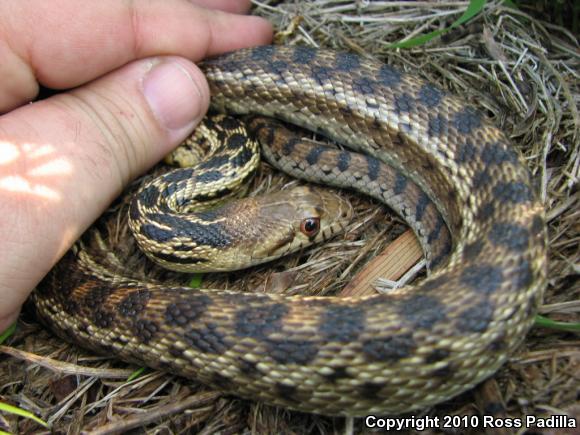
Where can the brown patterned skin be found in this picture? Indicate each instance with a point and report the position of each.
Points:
(382, 354)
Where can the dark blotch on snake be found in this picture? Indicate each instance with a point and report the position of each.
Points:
(168, 191)
(466, 152)
(321, 74)
(422, 203)
(220, 381)
(404, 103)
(436, 356)
(70, 306)
(214, 195)
(515, 192)
(363, 85)
(215, 162)
(67, 286)
(483, 278)
(443, 254)
(389, 349)
(369, 390)
(258, 322)
(437, 125)
(400, 183)
(314, 154)
(209, 215)
(475, 318)
(240, 159)
(340, 372)
(497, 153)
(148, 196)
(207, 339)
(289, 145)
(511, 236)
(422, 311)
(485, 212)
(347, 62)
(212, 234)
(102, 318)
(345, 110)
(342, 323)
(262, 53)
(373, 167)
(287, 392)
(482, 179)
(209, 177)
(343, 161)
(522, 275)
(303, 55)
(291, 351)
(434, 234)
(430, 95)
(433, 284)
(97, 296)
(235, 141)
(227, 122)
(177, 175)
(472, 250)
(467, 120)
(134, 303)
(187, 311)
(153, 232)
(443, 372)
(145, 329)
(248, 368)
(538, 225)
(175, 352)
(389, 76)
(134, 213)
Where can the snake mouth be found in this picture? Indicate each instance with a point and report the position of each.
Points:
(278, 248)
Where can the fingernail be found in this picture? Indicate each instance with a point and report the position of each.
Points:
(173, 95)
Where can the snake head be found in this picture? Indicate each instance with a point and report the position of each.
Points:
(298, 218)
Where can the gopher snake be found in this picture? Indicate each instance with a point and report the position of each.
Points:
(379, 354)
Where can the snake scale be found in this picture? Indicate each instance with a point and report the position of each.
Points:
(384, 354)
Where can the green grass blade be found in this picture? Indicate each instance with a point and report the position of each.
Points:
(4, 407)
(136, 374)
(545, 322)
(4, 336)
(196, 280)
(474, 8)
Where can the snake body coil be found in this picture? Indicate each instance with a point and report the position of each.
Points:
(378, 354)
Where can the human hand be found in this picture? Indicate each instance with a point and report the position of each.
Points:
(136, 95)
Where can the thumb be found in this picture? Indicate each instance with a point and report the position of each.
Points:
(64, 159)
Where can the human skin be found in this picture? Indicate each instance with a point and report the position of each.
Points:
(134, 93)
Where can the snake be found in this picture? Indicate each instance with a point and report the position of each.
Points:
(471, 202)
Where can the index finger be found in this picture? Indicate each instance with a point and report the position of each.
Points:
(69, 43)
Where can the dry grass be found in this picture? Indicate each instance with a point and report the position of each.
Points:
(515, 65)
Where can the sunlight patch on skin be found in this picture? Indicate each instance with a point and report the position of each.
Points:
(38, 163)
(8, 153)
(19, 184)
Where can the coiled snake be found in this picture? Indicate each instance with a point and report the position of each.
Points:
(378, 354)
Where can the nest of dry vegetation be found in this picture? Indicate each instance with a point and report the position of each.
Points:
(520, 66)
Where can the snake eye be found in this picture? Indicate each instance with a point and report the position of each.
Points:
(310, 226)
